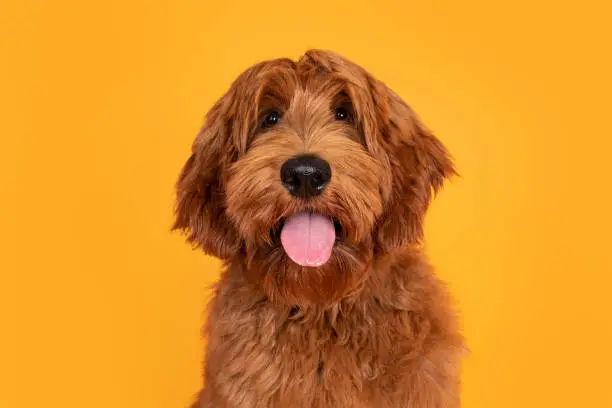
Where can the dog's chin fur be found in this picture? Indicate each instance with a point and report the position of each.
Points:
(372, 327)
(285, 282)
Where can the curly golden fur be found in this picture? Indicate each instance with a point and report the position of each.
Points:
(373, 327)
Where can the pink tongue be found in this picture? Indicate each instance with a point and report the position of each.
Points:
(308, 239)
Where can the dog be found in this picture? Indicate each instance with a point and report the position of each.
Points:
(310, 180)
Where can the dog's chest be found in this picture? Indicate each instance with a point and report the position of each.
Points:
(308, 359)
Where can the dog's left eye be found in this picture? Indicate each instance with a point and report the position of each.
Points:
(341, 113)
(271, 119)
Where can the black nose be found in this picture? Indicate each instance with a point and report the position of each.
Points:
(305, 176)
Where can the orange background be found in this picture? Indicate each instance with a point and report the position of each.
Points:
(101, 306)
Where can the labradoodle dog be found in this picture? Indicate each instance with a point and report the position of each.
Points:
(310, 179)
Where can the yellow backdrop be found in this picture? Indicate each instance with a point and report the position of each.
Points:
(101, 306)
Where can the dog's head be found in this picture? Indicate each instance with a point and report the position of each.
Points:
(304, 171)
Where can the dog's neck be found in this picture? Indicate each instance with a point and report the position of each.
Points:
(391, 283)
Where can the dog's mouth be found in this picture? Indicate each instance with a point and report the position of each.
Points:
(308, 238)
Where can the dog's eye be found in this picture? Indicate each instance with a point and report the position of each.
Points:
(271, 119)
(341, 113)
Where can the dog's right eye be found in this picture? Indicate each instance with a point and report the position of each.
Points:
(271, 119)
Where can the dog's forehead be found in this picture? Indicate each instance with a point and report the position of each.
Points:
(306, 82)
(313, 92)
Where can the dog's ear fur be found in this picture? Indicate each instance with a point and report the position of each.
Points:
(419, 164)
(200, 197)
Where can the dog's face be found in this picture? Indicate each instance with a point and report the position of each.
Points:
(303, 172)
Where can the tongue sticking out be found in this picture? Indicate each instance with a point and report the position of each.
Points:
(308, 239)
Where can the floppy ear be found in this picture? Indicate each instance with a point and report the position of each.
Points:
(200, 200)
(419, 164)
